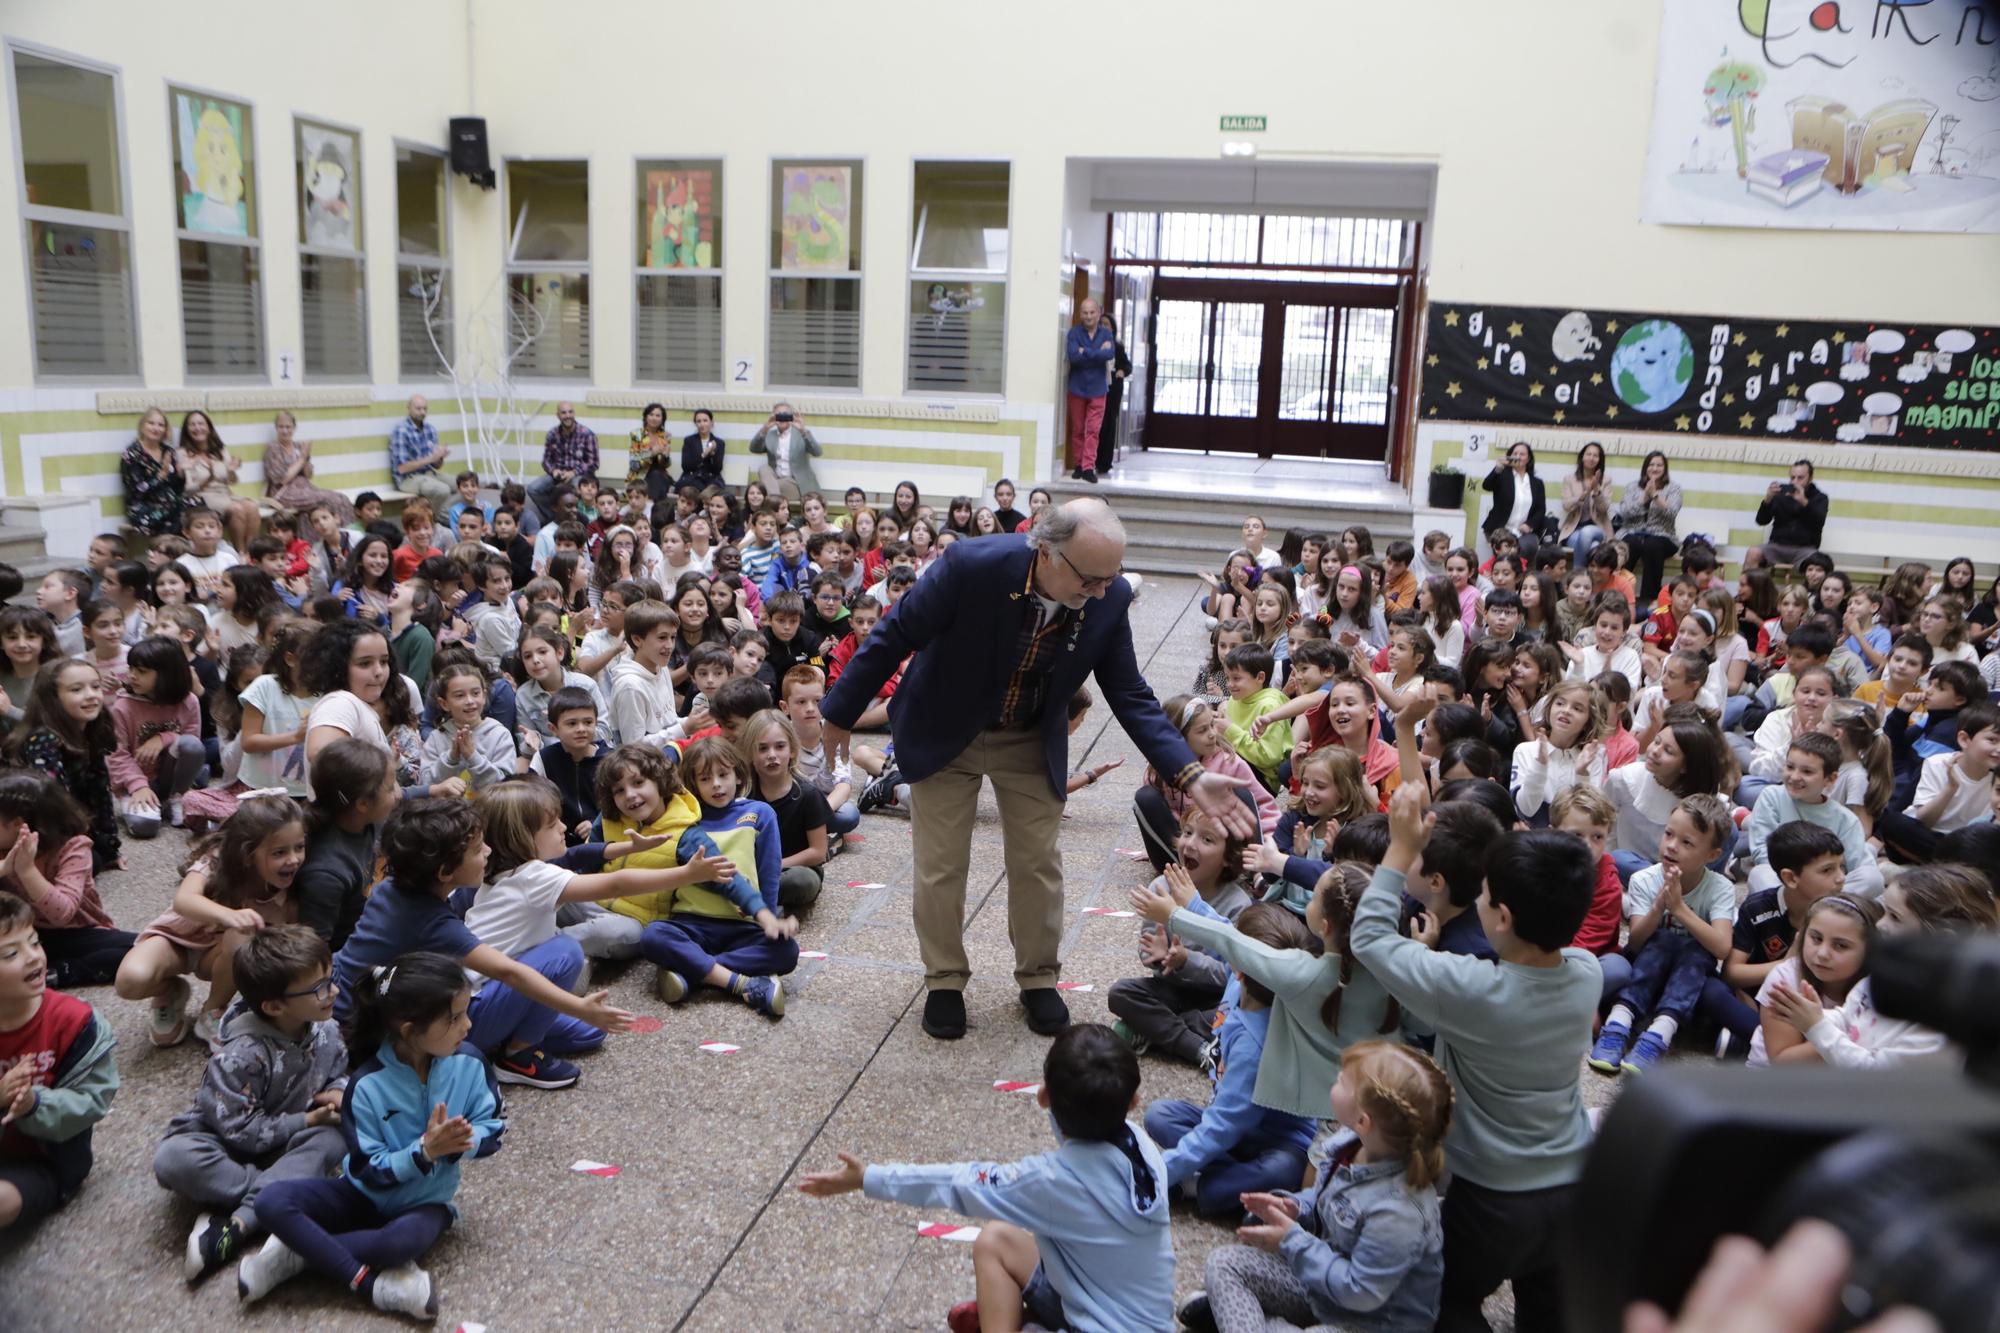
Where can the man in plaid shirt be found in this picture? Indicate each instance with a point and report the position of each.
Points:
(569, 451)
(415, 456)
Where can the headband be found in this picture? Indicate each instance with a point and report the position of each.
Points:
(384, 977)
(1190, 711)
(1350, 569)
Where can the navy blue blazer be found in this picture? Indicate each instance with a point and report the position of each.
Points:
(963, 619)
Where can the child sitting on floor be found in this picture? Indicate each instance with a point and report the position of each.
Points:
(268, 1108)
(1078, 1237)
(45, 860)
(1812, 763)
(57, 1079)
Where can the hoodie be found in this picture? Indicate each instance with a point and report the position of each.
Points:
(1098, 1211)
(575, 780)
(641, 703)
(74, 1045)
(383, 1118)
(256, 1091)
(1266, 752)
(681, 814)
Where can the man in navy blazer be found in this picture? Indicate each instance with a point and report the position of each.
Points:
(1004, 629)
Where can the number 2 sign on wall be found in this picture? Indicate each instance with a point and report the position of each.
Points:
(739, 372)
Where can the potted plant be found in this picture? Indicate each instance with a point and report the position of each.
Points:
(1447, 487)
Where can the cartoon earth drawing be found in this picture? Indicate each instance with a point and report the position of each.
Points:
(1652, 365)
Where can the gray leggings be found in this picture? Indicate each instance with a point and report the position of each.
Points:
(1252, 1291)
(175, 769)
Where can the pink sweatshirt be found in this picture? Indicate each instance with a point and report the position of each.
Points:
(72, 899)
(137, 721)
(1231, 765)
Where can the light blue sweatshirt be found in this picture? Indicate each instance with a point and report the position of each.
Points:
(1511, 1039)
(1232, 1116)
(1777, 806)
(1098, 1212)
(384, 1115)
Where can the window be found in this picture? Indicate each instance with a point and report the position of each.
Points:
(548, 269)
(815, 328)
(215, 215)
(79, 252)
(958, 278)
(423, 263)
(677, 308)
(332, 303)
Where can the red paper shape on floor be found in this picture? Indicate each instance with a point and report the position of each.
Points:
(948, 1231)
(1076, 985)
(865, 884)
(644, 1024)
(586, 1167)
(1015, 1085)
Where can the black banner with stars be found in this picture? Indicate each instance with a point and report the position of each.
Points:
(1935, 387)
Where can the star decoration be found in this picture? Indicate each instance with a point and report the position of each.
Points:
(1535, 390)
(1784, 329)
(1451, 319)
(1746, 421)
(1515, 330)
(1555, 370)
(1791, 391)
(1492, 403)
(1611, 326)
(1596, 377)
(1434, 411)
(1736, 340)
(1683, 422)
(1431, 360)
(1558, 414)
(1483, 363)
(1452, 390)
(1611, 411)
(1754, 359)
(1728, 399)
(1839, 336)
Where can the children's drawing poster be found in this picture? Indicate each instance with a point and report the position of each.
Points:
(814, 218)
(327, 161)
(1926, 386)
(214, 179)
(680, 220)
(1856, 115)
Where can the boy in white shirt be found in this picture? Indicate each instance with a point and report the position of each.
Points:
(208, 555)
(799, 695)
(639, 689)
(1954, 789)
(1609, 648)
(495, 623)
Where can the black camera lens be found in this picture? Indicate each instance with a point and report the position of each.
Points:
(1921, 1212)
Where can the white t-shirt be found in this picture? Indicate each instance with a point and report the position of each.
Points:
(1524, 500)
(282, 713)
(1970, 802)
(210, 566)
(344, 711)
(1850, 786)
(1728, 649)
(518, 911)
(1266, 558)
(1786, 973)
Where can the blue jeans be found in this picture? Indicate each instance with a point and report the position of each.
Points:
(1587, 538)
(844, 820)
(691, 945)
(1718, 1003)
(1250, 1167)
(1667, 977)
(502, 1016)
(542, 495)
(1733, 709)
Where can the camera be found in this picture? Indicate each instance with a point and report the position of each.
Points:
(1904, 1161)
(781, 417)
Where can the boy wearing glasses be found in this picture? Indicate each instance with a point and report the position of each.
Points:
(268, 1108)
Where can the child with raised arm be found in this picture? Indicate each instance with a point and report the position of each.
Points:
(1519, 1134)
(1077, 1238)
(268, 1108)
(1365, 1241)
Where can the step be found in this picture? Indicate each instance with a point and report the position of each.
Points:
(20, 545)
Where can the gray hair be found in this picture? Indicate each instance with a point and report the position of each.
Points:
(1058, 525)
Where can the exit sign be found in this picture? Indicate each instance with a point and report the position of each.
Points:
(1243, 124)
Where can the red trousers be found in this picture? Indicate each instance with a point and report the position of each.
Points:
(1086, 418)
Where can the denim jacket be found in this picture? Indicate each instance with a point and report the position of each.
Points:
(1369, 1249)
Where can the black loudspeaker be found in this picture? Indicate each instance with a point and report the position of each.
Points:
(468, 151)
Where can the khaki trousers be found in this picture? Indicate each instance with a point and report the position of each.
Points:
(942, 809)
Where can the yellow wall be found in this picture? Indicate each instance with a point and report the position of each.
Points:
(1536, 119)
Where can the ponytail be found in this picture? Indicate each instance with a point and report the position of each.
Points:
(1339, 892)
(417, 988)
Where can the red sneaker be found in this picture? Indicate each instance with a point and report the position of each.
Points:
(963, 1317)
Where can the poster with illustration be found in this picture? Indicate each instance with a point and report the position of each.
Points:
(1854, 115)
(680, 219)
(214, 190)
(328, 160)
(1927, 386)
(812, 226)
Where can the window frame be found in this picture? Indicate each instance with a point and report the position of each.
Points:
(915, 273)
(510, 268)
(772, 273)
(718, 162)
(253, 242)
(442, 261)
(121, 222)
(359, 255)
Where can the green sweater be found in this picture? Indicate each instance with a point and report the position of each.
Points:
(1301, 1054)
(1266, 752)
(1511, 1039)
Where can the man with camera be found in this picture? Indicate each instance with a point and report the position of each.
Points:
(789, 449)
(1796, 511)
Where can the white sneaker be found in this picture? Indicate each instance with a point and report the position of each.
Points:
(407, 1290)
(167, 1020)
(260, 1273)
(208, 1028)
(172, 811)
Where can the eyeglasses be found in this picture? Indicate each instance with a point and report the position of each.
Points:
(1091, 582)
(321, 990)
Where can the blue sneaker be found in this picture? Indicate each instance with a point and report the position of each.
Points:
(1607, 1055)
(1649, 1051)
(766, 995)
(535, 1069)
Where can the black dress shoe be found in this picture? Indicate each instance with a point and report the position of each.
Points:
(1076, 474)
(1090, 475)
(944, 1014)
(1047, 1014)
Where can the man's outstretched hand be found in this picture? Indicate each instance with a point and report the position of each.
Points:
(1216, 796)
